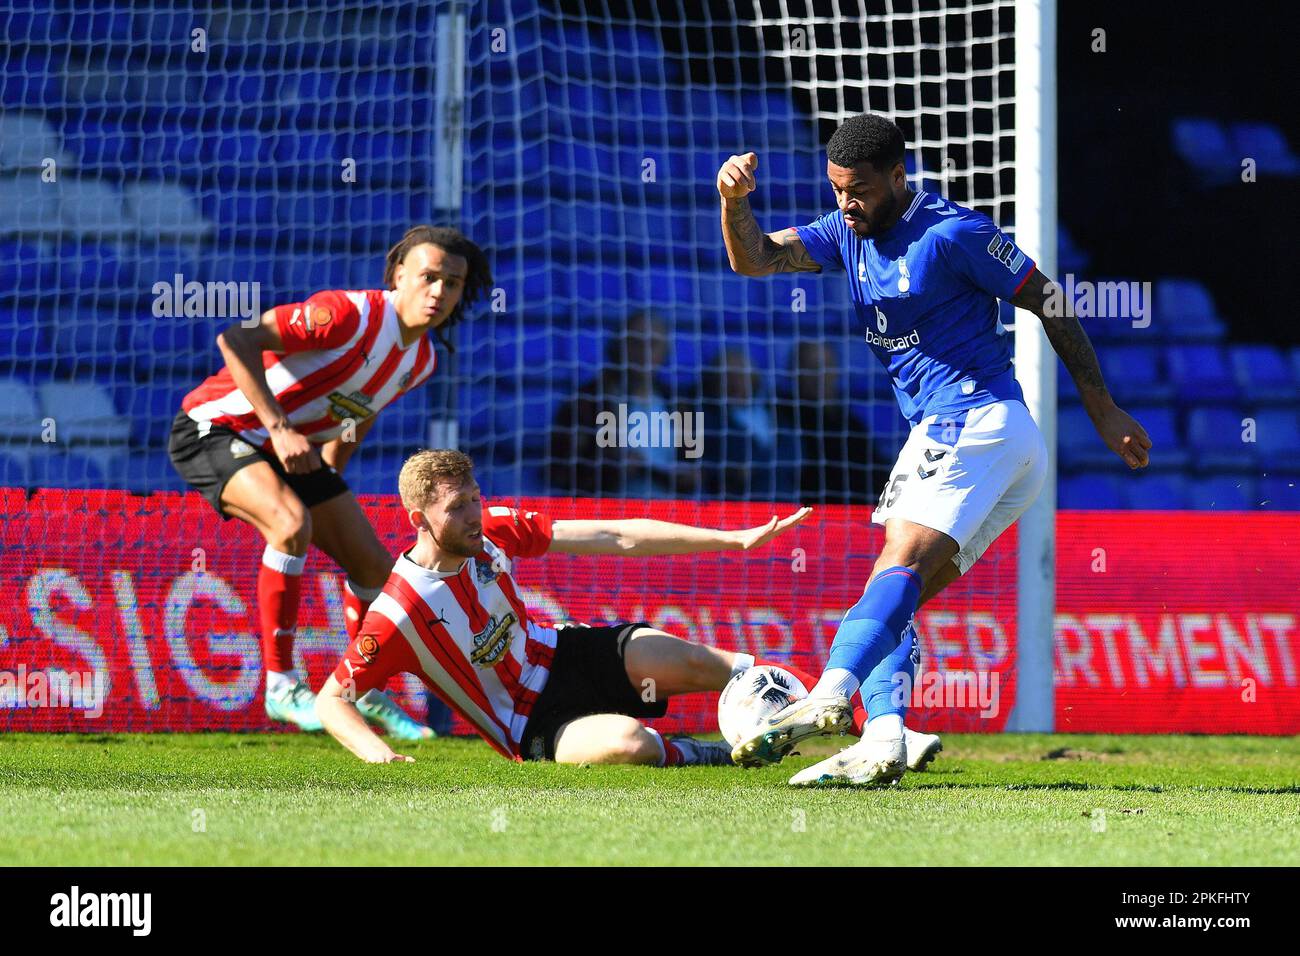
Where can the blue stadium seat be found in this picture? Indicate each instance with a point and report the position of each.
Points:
(1279, 493)
(83, 411)
(28, 208)
(89, 340)
(1203, 144)
(1155, 490)
(32, 79)
(169, 142)
(89, 269)
(1200, 373)
(1223, 492)
(476, 414)
(105, 146)
(1089, 491)
(13, 470)
(1080, 448)
(1214, 436)
(26, 338)
(160, 262)
(1278, 439)
(149, 470)
(298, 277)
(1185, 312)
(56, 467)
(1263, 374)
(1266, 144)
(1134, 373)
(27, 140)
(27, 269)
(1161, 424)
(150, 409)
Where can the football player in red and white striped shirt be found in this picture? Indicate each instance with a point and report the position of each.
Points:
(452, 615)
(265, 439)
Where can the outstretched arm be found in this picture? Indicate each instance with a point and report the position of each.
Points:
(1119, 430)
(645, 536)
(751, 251)
(339, 715)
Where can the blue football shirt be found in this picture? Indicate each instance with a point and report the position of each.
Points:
(927, 291)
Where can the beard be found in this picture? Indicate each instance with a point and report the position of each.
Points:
(460, 545)
(884, 213)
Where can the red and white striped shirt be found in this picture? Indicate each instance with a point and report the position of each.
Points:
(465, 634)
(343, 360)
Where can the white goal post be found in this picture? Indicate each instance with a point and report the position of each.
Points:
(1036, 362)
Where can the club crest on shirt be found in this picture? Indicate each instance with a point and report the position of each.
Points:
(485, 571)
(904, 279)
(240, 448)
(491, 643)
(311, 317)
(404, 381)
(367, 647)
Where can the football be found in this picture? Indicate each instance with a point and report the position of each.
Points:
(753, 696)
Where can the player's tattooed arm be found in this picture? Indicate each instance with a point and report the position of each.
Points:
(750, 250)
(753, 252)
(1066, 335)
(1119, 430)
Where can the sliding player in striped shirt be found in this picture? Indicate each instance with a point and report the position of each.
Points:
(265, 439)
(452, 615)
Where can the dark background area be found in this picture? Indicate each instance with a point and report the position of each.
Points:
(1123, 193)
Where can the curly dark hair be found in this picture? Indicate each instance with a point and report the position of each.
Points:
(477, 281)
(867, 138)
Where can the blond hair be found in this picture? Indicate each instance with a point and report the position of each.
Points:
(420, 476)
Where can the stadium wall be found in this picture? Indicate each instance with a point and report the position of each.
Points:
(1165, 621)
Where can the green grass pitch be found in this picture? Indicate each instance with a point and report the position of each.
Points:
(279, 799)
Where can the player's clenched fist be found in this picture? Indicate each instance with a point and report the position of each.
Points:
(736, 177)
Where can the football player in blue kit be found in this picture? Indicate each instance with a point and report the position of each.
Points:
(925, 275)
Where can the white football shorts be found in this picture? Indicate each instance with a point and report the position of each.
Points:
(969, 475)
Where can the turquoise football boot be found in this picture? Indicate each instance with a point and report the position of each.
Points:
(294, 705)
(378, 708)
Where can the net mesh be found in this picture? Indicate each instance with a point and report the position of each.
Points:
(167, 169)
(277, 150)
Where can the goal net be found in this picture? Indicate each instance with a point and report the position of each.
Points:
(619, 367)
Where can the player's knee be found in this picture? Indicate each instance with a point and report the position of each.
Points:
(637, 745)
(290, 526)
(630, 745)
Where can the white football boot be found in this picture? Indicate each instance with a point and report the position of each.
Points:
(868, 763)
(921, 749)
(778, 735)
